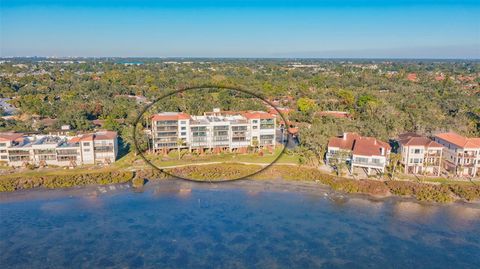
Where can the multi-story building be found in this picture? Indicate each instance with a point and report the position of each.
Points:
(95, 148)
(7, 140)
(366, 153)
(461, 154)
(217, 131)
(420, 155)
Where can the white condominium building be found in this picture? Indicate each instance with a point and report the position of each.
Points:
(94, 148)
(217, 130)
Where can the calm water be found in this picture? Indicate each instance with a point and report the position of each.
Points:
(236, 225)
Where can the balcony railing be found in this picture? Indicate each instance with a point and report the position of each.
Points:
(19, 158)
(467, 155)
(362, 163)
(67, 152)
(18, 153)
(104, 149)
(167, 123)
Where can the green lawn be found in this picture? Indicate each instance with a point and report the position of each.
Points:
(186, 158)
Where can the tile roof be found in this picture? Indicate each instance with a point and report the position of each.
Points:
(100, 135)
(346, 142)
(335, 114)
(257, 115)
(10, 136)
(370, 146)
(105, 135)
(413, 139)
(359, 145)
(171, 116)
(460, 141)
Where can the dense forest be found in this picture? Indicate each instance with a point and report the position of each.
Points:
(381, 98)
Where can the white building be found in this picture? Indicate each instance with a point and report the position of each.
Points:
(461, 154)
(420, 155)
(366, 153)
(41, 150)
(217, 131)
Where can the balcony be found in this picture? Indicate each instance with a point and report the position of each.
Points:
(104, 149)
(267, 126)
(368, 163)
(166, 139)
(466, 155)
(239, 121)
(19, 158)
(167, 128)
(167, 134)
(19, 153)
(167, 123)
(66, 152)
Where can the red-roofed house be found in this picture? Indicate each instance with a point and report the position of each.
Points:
(334, 114)
(412, 77)
(420, 155)
(461, 154)
(367, 153)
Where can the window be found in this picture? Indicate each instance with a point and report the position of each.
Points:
(86, 150)
(184, 128)
(255, 127)
(183, 133)
(86, 144)
(4, 157)
(3, 145)
(267, 124)
(255, 121)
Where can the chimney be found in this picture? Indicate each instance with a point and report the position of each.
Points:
(344, 137)
(216, 110)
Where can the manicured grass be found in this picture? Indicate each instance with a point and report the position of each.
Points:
(172, 158)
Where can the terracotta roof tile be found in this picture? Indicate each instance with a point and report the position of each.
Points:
(365, 146)
(258, 115)
(460, 141)
(11, 136)
(170, 116)
(105, 135)
(420, 141)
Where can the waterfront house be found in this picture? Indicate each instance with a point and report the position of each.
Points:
(420, 155)
(216, 131)
(358, 152)
(461, 154)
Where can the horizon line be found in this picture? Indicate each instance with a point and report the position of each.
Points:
(237, 57)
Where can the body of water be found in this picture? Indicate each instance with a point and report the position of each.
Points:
(234, 225)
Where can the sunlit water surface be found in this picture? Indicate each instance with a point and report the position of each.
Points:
(235, 225)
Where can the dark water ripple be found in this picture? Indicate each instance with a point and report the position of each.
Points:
(201, 227)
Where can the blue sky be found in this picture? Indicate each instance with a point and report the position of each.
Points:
(248, 28)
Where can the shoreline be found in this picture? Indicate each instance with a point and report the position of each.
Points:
(250, 187)
(377, 189)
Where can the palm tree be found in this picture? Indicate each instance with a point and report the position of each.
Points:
(180, 142)
(395, 159)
